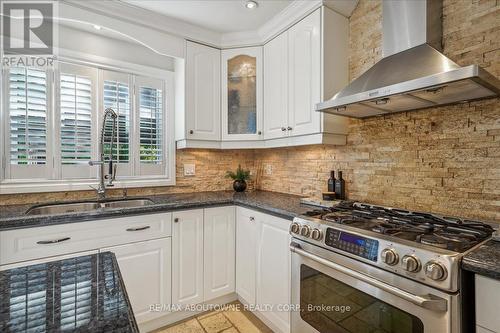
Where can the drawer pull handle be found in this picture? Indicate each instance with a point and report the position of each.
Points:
(139, 229)
(54, 241)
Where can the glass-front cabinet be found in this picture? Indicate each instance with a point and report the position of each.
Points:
(242, 94)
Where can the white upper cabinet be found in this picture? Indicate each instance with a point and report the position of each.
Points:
(268, 94)
(304, 65)
(219, 251)
(187, 257)
(202, 92)
(276, 87)
(242, 94)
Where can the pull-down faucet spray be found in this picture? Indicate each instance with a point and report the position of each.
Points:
(110, 176)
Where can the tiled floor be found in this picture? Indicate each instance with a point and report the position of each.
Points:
(234, 319)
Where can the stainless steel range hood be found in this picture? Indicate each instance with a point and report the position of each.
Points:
(413, 74)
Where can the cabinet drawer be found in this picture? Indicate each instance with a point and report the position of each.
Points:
(487, 296)
(40, 242)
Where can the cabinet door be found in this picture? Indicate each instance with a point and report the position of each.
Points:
(146, 271)
(219, 251)
(487, 296)
(242, 94)
(276, 87)
(273, 268)
(202, 92)
(304, 51)
(187, 257)
(246, 251)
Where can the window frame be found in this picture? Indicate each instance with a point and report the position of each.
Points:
(52, 182)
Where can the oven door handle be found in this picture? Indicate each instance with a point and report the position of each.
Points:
(430, 302)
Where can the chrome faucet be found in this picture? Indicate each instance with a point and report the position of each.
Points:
(111, 175)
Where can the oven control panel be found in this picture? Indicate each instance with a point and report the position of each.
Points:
(358, 245)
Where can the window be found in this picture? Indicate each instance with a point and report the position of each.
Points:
(151, 129)
(117, 95)
(27, 115)
(77, 85)
(52, 143)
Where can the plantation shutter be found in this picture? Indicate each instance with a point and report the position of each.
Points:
(28, 138)
(78, 300)
(117, 95)
(77, 119)
(151, 115)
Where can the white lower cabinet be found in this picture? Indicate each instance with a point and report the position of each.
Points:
(146, 271)
(480, 329)
(246, 250)
(273, 269)
(487, 296)
(187, 252)
(211, 254)
(219, 251)
(263, 265)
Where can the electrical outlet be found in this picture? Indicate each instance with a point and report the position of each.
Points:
(269, 169)
(189, 170)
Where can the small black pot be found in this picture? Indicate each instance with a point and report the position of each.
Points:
(240, 185)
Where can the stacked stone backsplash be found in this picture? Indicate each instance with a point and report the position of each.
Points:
(444, 160)
(211, 168)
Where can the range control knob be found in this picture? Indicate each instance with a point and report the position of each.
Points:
(316, 234)
(390, 257)
(305, 230)
(411, 263)
(295, 228)
(435, 270)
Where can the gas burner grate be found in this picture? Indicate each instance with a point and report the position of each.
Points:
(439, 231)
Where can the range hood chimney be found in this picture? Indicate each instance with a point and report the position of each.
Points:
(412, 74)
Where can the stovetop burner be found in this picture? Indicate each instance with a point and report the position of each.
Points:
(443, 232)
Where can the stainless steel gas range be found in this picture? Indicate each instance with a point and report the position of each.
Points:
(364, 268)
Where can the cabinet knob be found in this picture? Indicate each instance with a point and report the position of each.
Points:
(191, 132)
(176, 220)
(289, 128)
(252, 219)
(283, 129)
(259, 132)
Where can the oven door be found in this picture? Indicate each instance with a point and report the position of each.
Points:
(334, 298)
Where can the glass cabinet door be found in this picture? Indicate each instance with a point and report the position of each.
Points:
(242, 95)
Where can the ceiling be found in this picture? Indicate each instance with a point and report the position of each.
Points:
(222, 16)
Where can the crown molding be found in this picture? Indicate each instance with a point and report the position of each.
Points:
(136, 15)
(290, 15)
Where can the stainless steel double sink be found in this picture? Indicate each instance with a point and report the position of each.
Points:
(76, 207)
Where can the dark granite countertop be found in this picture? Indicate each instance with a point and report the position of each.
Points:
(82, 294)
(279, 204)
(485, 260)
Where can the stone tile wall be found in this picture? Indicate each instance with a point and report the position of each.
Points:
(445, 160)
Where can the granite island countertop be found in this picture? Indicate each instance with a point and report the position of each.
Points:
(81, 294)
(279, 204)
(485, 260)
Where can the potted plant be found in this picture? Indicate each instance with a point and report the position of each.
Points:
(240, 177)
